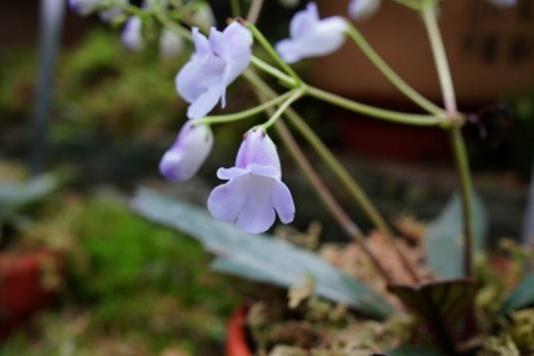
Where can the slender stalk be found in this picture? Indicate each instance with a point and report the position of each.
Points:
(457, 142)
(388, 115)
(236, 8)
(440, 57)
(466, 186)
(340, 172)
(254, 11)
(390, 74)
(265, 44)
(295, 95)
(275, 72)
(220, 119)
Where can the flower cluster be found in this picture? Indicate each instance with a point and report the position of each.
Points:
(254, 193)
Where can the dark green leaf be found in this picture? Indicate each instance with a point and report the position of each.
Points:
(261, 258)
(443, 305)
(522, 297)
(444, 242)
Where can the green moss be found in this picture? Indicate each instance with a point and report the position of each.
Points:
(131, 285)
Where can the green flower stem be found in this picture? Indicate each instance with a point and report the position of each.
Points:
(236, 8)
(265, 44)
(349, 183)
(466, 184)
(390, 74)
(460, 153)
(388, 115)
(296, 94)
(286, 80)
(440, 57)
(220, 119)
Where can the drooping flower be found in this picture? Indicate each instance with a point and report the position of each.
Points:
(362, 9)
(216, 63)
(171, 44)
(311, 36)
(132, 34)
(254, 193)
(191, 148)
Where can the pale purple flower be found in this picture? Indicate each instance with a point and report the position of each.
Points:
(254, 193)
(132, 34)
(312, 37)
(191, 148)
(362, 9)
(216, 63)
(171, 44)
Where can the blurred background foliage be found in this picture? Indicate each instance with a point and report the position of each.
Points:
(130, 286)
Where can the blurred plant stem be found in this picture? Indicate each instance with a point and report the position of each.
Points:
(52, 14)
(220, 119)
(390, 74)
(430, 19)
(236, 8)
(254, 11)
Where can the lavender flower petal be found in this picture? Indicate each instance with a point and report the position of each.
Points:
(216, 63)
(312, 37)
(191, 148)
(254, 193)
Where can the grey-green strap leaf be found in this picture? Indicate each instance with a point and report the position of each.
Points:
(260, 257)
(444, 242)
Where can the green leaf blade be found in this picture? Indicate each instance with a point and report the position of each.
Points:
(261, 258)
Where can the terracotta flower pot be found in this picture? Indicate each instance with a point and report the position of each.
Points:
(22, 288)
(236, 343)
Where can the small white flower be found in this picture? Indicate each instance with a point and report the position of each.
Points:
(311, 36)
